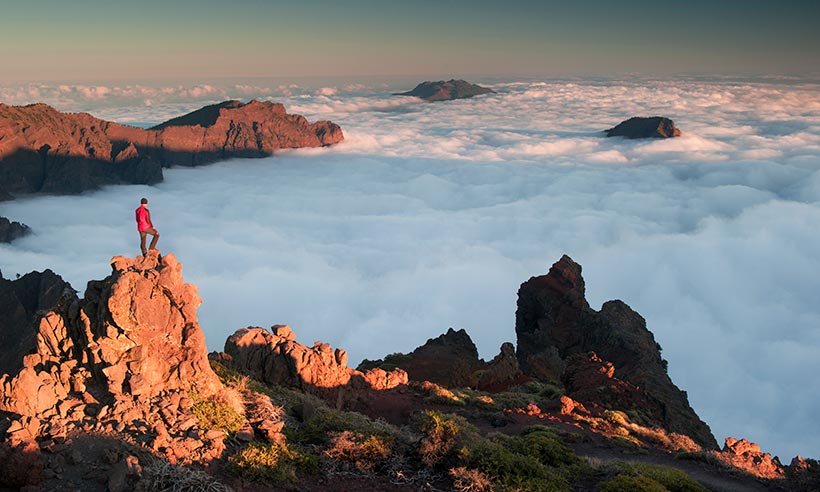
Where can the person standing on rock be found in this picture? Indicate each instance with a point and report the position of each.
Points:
(145, 227)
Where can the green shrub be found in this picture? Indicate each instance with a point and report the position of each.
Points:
(629, 483)
(214, 414)
(440, 432)
(546, 447)
(673, 479)
(319, 428)
(365, 453)
(271, 463)
(616, 417)
(512, 471)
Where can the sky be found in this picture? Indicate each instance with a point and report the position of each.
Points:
(103, 40)
(430, 216)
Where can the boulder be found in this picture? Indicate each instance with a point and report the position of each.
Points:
(642, 127)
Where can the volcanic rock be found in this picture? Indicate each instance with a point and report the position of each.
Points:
(134, 336)
(9, 231)
(446, 90)
(44, 150)
(502, 372)
(747, 456)
(276, 358)
(554, 322)
(643, 127)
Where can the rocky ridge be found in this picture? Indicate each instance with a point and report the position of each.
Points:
(101, 391)
(45, 150)
(446, 90)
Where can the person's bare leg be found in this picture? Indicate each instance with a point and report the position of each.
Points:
(155, 239)
(142, 243)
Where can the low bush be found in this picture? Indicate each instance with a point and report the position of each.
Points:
(365, 453)
(215, 414)
(441, 432)
(162, 476)
(271, 463)
(319, 428)
(470, 480)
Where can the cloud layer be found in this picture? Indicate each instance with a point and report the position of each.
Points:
(431, 215)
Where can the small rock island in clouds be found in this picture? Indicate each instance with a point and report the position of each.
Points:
(446, 90)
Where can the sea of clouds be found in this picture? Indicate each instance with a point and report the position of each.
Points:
(431, 215)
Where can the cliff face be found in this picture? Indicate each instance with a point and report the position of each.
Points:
(44, 150)
(559, 334)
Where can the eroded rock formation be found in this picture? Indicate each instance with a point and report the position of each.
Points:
(446, 90)
(276, 358)
(556, 327)
(747, 456)
(643, 127)
(44, 150)
(125, 358)
(9, 231)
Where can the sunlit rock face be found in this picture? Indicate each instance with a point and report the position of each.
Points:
(44, 150)
(640, 127)
(560, 335)
(134, 335)
(276, 358)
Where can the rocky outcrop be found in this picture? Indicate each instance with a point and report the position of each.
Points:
(125, 358)
(276, 358)
(643, 127)
(747, 456)
(44, 150)
(556, 330)
(446, 90)
(451, 360)
(9, 231)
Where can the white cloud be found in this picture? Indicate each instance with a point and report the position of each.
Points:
(431, 215)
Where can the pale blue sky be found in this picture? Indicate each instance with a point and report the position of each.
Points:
(111, 40)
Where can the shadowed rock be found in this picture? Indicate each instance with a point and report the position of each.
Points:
(446, 90)
(555, 327)
(641, 127)
(451, 360)
(44, 150)
(9, 231)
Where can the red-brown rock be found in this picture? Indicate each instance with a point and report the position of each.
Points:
(276, 358)
(747, 456)
(134, 335)
(44, 150)
(554, 322)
